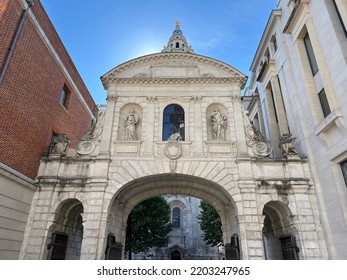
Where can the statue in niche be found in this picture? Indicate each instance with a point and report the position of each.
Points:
(130, 125)
(218, 123)
(287, 145)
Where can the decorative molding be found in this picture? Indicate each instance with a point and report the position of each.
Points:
(172, 59)
(196, 99)
(152, 99)
(112, 98)
(173, 148)
(173, 63)
(142, 75)
(87, 144)
(259, 144)
(180, 80)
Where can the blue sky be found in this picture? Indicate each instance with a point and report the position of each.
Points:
(99, 35)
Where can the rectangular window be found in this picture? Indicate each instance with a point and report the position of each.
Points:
(64, 97)
(324, 103)
(310, 54)
(344, 170)
(340, 18)
(274, 42)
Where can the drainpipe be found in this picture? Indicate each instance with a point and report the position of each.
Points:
(15, 38)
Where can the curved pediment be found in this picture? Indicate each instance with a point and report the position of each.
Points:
(172, 67)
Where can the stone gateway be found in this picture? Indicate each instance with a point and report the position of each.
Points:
(267, 205)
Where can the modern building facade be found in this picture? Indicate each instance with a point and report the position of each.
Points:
(42, 99)
(298, 90)
(174, 125)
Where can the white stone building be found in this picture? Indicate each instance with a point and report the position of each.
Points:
(298, 87)
(174, 125)
(186, 238)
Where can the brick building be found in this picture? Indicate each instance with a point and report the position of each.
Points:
(42, 96)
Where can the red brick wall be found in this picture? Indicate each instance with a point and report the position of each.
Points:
(29, 94)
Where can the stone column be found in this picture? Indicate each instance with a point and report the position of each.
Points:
(280, 110)
(91, 235)
(273, 124)
(240, 135)
(108, 125)
(100, 254)
(149, 144)
(198, 131)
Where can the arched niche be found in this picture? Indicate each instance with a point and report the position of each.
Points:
(217, 123)
(130, 122)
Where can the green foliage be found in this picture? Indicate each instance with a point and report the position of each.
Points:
(210, 224)
(148, 226)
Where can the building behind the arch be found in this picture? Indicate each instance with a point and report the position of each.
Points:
(267, 204)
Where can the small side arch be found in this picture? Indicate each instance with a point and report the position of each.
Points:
(279, 232)
(65, 234)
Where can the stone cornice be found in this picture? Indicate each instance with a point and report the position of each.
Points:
(294, 15)
(232, 74)
(203, 80)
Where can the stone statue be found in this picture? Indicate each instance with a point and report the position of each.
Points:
(61, 144)
(130, 125)
(287, 145)
(218, 123)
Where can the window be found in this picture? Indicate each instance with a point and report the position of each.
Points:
(324, 103)
(340, 18)
(173, 122)
(64, 97)
(177, 45)
(274, 42)
(344, 170)
(310, 54)
(256, 122)
(176, 217)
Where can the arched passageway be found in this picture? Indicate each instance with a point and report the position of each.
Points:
(173, 184)
(66, 232)
(279, 232)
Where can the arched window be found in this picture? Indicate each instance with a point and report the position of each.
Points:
(173, 122)
(177, 45)
(176, 217)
